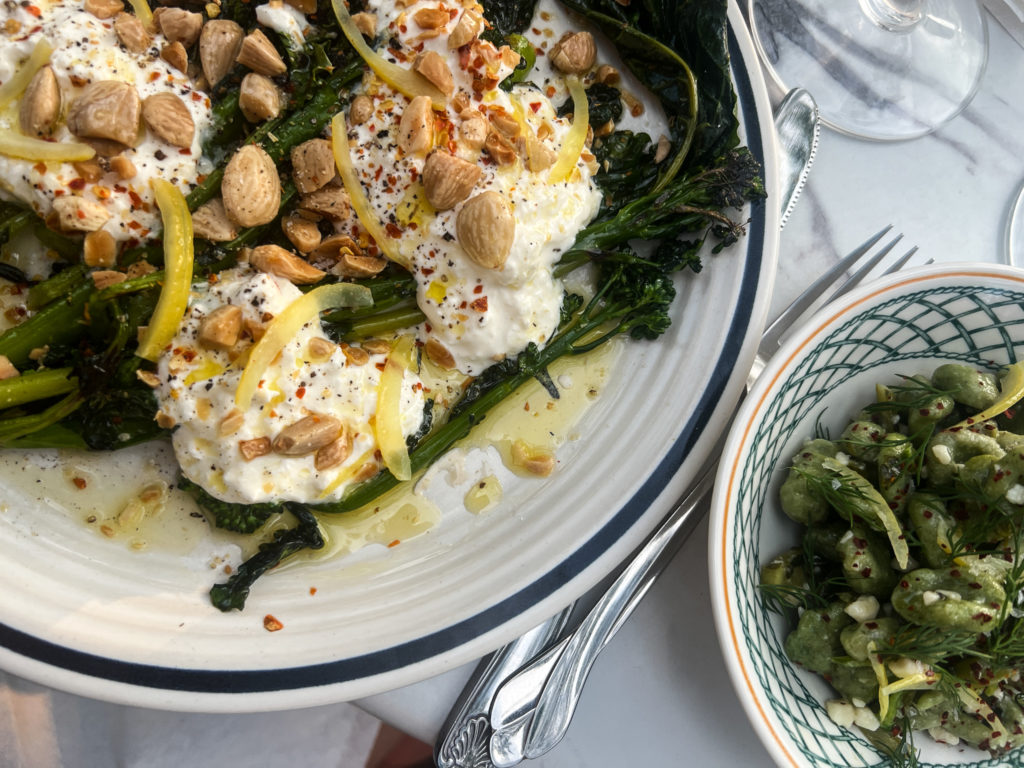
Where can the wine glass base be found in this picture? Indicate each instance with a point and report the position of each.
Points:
(869, 80)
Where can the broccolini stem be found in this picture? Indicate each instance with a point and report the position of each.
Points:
(403, 316)
(57, 323)
(12, 429)
(36, 385)
(61, 284)
(231, 595)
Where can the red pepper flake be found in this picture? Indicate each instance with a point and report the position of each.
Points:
(478, 289)
(271, 624)
(80, 482)
(185, 151)
(154, 76)
(77, 184)
(34, 11)
(380, 366)
(312, 590)
(134, 224)
(535, 106)
(526, 406)
(39, 167)
(80, 214)
(378, 173)
(394, 543)
(479, 305)
(392, 230)
(550, 91)
(196, 96)
(300, 392)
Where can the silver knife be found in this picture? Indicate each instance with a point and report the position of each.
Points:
(797, 126)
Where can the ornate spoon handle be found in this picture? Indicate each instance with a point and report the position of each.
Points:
(465, 736)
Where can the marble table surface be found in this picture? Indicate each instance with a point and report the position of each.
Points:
(660, 690)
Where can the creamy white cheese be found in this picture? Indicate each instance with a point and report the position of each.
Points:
(197, 391)
(284, 19)
(86, 49)
(480, 315)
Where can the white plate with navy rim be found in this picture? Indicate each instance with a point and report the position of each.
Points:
(908, 323)
(92, 617)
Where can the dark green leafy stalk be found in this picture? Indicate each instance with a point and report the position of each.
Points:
(52, 436)
(693, 201)
(61, 284)
(68, 248)
(405, 315)
(507, 17)
(21, 426)
(232, 594)
(240, 518)
(60, 322)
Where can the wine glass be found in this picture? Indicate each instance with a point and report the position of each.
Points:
(879, 69)
(1013, 237)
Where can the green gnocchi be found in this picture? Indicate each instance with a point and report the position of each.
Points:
(907, 589)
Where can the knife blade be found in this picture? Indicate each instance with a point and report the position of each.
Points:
(797, 127)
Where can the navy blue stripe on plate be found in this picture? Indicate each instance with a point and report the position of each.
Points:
(421, 649)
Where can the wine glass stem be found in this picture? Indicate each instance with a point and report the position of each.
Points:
(894, 15)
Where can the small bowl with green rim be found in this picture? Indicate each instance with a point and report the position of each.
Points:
(905, 324)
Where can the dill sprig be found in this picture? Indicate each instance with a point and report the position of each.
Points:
(931, 644)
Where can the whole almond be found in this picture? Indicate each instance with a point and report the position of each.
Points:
(251, 189)
(179, 25)
(416, 127)
(448, 179)
(307, 435)
(219, 44)
(106, 109)
(574, 53)
(486, 229)
(166, 115)
(131, 33)
(40, 104)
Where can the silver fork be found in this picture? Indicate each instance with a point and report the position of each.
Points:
(533, 707)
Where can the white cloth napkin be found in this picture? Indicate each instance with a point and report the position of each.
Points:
(44, 728)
